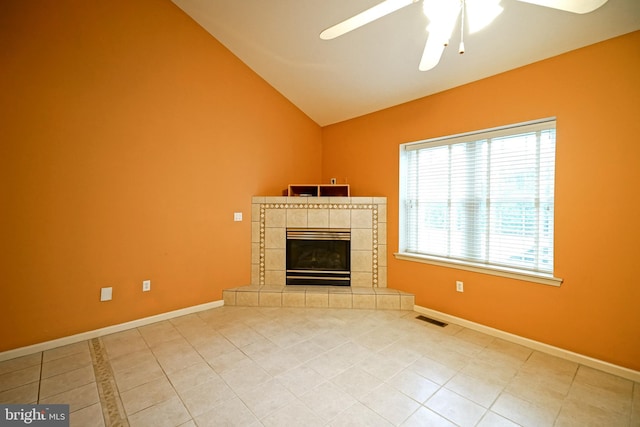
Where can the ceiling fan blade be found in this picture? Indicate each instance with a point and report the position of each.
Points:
(575, 6)
(378, 11)
(442, 21)
(432, 54)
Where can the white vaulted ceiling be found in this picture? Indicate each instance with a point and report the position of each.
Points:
(376, 66)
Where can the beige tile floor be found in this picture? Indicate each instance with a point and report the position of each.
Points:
(254, 366)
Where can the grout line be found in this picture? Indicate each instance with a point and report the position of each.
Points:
(110, 402)
(40, 376)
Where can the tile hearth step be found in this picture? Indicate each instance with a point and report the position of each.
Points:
(319, 297)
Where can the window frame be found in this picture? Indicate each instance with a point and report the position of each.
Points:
(479, 267)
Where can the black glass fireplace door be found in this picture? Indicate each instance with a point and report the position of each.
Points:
(318, 257)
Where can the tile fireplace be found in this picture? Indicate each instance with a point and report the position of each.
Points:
(363, 218)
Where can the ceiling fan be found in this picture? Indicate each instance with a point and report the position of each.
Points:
(443, 16)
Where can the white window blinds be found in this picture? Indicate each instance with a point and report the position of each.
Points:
(485, 198)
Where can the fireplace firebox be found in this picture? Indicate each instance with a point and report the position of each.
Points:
(318, 256)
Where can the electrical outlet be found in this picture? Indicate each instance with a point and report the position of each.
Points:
(459, 286)
(106, 294)
(237, 216)
(146, 285)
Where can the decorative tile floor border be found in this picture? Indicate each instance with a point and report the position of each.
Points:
(343, 206)
(112, 409)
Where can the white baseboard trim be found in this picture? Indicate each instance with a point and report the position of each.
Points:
(48, 345)
(620, 371)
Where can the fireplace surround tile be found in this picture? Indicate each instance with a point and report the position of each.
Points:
(318, 218)
(255, 253)
(297, 217)
(361, 239)
(382, 260)
(382, 277)
(361, 279)
(275, 218)
(364, 216)
(274, 277)
(339, 218)
(382, 233)
(361, 261)
(275, 259)
(255, 232)
(255, 273)
(274, 238)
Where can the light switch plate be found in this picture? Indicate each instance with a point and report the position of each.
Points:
(106, 294)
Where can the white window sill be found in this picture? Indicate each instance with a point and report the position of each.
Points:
(512, 273)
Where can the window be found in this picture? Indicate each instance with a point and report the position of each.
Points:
(482, 200)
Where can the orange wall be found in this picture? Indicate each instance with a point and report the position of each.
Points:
(595, 94)
(129, 138)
